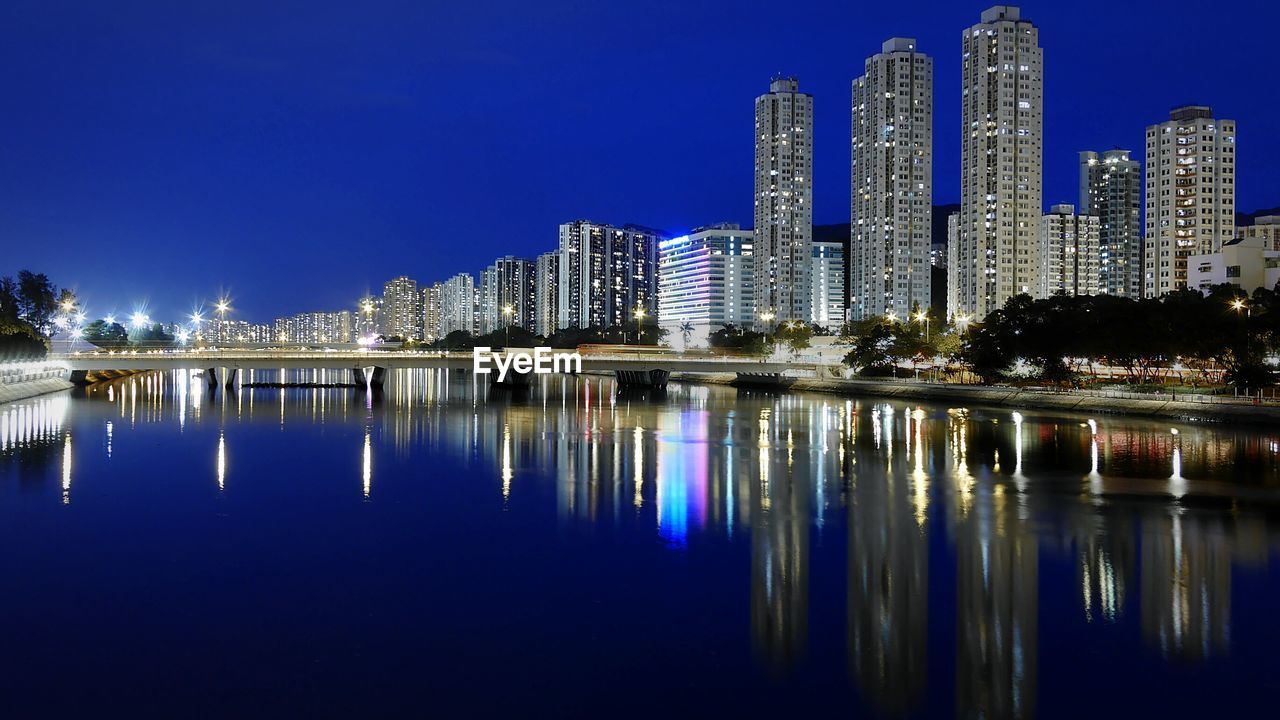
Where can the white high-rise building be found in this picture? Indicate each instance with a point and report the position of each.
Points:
(1111, 190)
(1001, 148)
(402, 309)
(458, 304)
(487, 296)
(1190, 194)
(1070, 246)
(606, 274)
(954, 309)
(892, 182)
(705, 282)
(431, 312)
(547, 293)
(826, 285)
(783, 204)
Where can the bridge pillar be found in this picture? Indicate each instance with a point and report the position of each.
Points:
(211, 377)
(642, 378)
(760, 379)
(79, 377)
(231, 377)
(358, 377)
(378, 377)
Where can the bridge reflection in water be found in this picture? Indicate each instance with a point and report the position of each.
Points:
(1006, 493)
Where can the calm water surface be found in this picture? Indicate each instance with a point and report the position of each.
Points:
(452, 550)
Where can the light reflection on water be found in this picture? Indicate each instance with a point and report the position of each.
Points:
(1144, 523)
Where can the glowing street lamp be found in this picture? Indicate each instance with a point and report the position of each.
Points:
(924, 318)
(767, 317)
(1239, 304)
(638, 314)
(507, 311)
(139, 320)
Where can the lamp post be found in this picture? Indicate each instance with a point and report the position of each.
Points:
(507, 310)
(639, 315)
(767, 317)
(924, 318)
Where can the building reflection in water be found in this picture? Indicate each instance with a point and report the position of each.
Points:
(888, 564)
(998, 487)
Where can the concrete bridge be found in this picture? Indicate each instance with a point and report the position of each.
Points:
(370, 367)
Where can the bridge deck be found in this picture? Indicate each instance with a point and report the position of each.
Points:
(391, 360)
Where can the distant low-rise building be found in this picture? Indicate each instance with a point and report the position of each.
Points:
(1247, 262)
(1265, 228)
(317, 328)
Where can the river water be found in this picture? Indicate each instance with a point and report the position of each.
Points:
(448, 549)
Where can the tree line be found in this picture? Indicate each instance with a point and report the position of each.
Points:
(1223, 336)
(28, 306)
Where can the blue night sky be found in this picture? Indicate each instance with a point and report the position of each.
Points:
(298, 154)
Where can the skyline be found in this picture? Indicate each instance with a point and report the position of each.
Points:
(242, 146)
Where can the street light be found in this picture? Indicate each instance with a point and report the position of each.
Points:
(139, 320)
(639, 315)
(766, 317)
(1239, 305)
(924, 318)
(507, 310)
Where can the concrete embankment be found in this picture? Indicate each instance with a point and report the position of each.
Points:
(1156, 406)
(26, 380)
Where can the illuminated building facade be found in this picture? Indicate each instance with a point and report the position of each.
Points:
(783, 204)
(1070, 248)
(1190, 194)
(547, 294)
(458, 304)
(1111, 190)
(826, 284)
(1001, 148)
(402, 309)
(606, 274)
(705, 282)
(892, 182)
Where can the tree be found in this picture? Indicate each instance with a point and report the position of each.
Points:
(872, 351)
(37, 300)
(795, 336)
(686, 332)
(152, 336)
(105, 335)
(19, 341)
